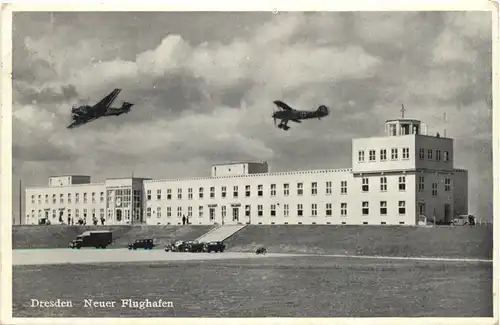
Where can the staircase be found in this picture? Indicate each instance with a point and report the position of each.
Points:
(220, 233)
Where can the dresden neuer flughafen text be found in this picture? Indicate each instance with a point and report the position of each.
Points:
(93, 303)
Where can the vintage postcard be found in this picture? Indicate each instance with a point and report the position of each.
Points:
(278, 161)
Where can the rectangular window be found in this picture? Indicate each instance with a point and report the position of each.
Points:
(158, 194)
(179, 212)
(260, 210)
(169, 212)
(273, 189)
(406, 153)
(223, 192)
(77, 198)
(383, 184)
(286, 210)
(372, 155)
(383, 155)
(365, 186)
(429, 154)
(102, 197)
(53, 199)
(179, 193)
(190, 193)
(300, 188)
(365, 208)
(328, 188)
(32, 199)
(247, 190)
(148, 195)
(402, 207)
(343, 209)
(314, 209)
(421, 183)
(235, 191)
(69, 198)
(260, 190)
(361, 156)
(422, 153)
(212, 192)
(40, 199)
(343, 187)
(394, 153)
(434, 189)
(169, 194)
(148, 212)
(438, 155)
(314, 188)
(158, 212)
(273, 210)
(223, 211)
(190, 211)
(402, 183)
(200, 211)
(300, 210)
(383, 208)
(200, 192)
(446, 156)
(84, 197)
(61, 198)
(286, 189)
(447, 185)
(247, 210)
(328, 210)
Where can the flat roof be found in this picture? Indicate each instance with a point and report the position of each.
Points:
(69, 175)
(240, 162)
(404, 120)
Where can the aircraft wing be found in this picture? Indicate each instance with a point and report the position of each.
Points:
(282, 105)
(296, 121)
(106, 101)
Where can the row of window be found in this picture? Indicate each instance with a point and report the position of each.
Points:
(328, 210)
(68, 214)
(365, 187)
(405, 154)
(69, 198)
(260, 191)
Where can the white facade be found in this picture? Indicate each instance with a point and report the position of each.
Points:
(395, 179)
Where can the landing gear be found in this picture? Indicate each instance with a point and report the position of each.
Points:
(283, 126)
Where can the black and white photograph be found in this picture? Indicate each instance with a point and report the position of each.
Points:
(270, 163)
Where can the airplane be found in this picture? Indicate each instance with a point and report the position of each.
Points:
(289, 114)
(84, 114)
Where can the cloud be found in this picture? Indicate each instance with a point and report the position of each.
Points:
(203, 98)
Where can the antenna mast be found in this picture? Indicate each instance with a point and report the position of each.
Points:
(445, 120)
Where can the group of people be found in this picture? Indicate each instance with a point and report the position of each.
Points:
(185, 220)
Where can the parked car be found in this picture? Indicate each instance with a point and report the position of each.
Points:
(192, 246)
(463, 220)
(173, 247)
(147, 243)
(261, 250)
(214, 246)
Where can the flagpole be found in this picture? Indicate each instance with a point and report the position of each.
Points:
(20, 202)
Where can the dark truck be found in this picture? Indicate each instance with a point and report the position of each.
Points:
(95, 238)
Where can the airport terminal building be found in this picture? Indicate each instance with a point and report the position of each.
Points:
(402, 178)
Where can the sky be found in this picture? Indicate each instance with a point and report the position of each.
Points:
(203, 86)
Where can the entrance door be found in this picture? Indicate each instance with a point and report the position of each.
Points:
(447, 214)
(248, 214)
(212, 214)
(236, 214)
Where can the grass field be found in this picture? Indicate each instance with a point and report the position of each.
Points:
(272, 286)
